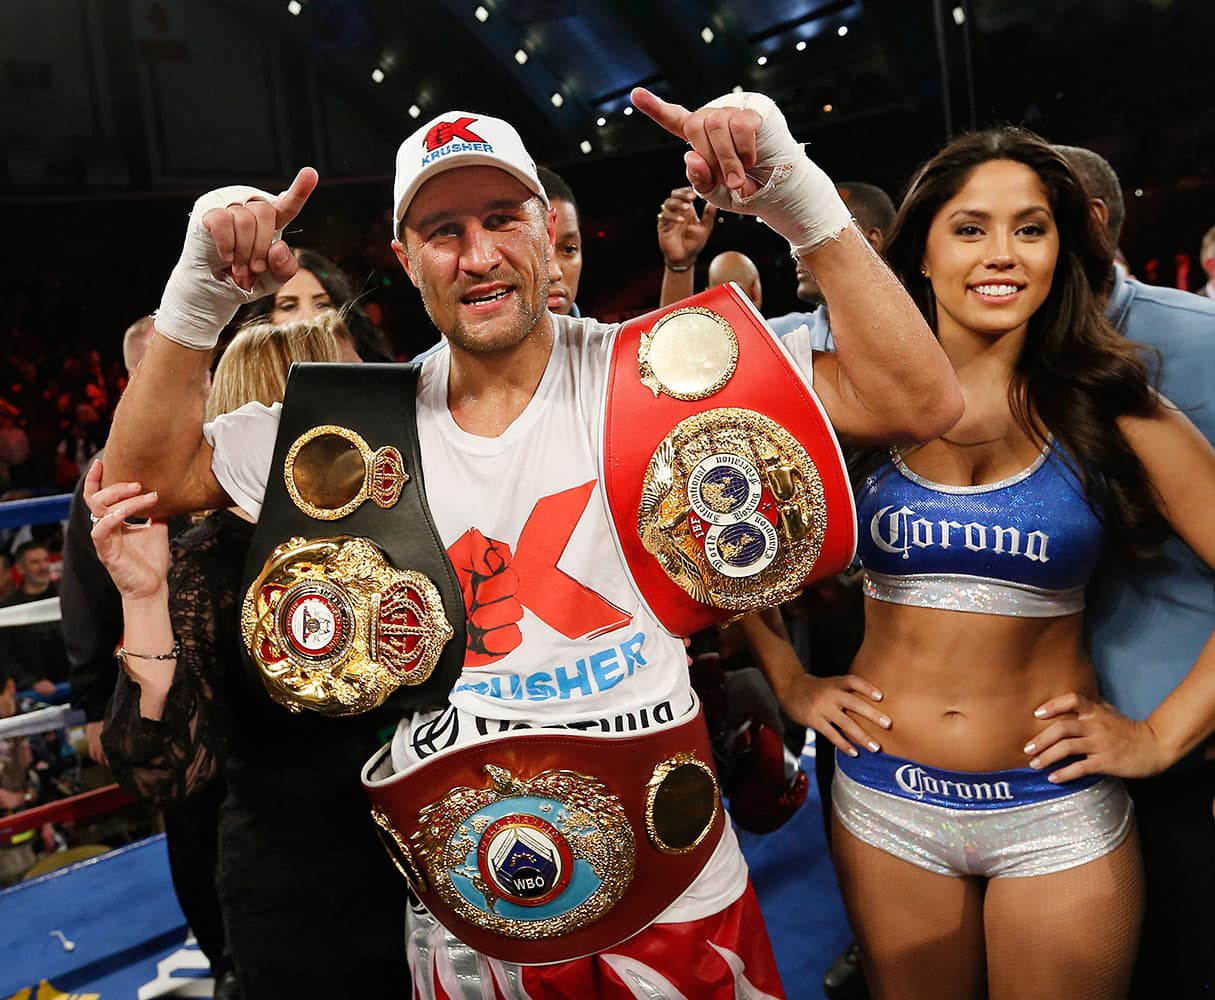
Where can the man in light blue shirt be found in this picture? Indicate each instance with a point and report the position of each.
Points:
(1145, 626)
(874, 212)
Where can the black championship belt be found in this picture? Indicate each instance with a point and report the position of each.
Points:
(350, 601)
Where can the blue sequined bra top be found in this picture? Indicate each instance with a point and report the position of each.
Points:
(1023, 546)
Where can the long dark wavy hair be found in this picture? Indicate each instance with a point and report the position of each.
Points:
(1076, 373)
(369, 341)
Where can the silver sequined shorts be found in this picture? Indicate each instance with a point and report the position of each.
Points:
(998, 824)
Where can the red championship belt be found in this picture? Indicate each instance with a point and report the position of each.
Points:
(543, 846)
(725, 482)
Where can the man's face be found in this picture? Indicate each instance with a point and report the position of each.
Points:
(476, 245)
(35, 566)
(565, 267)
(807, 287)
(8, 699)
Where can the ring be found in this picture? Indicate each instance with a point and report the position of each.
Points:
(93, 517)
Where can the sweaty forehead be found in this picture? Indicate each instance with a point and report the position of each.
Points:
(464, 191)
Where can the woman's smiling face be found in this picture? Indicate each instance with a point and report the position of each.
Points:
(991, 251)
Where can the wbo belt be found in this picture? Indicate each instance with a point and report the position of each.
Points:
(726, 485)
(544, 846)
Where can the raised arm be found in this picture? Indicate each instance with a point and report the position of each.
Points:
(232, 254)
(682, 235)
(889, 381)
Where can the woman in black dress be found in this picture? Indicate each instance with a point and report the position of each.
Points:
(312, 905)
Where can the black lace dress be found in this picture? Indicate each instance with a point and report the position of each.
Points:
(312, 904)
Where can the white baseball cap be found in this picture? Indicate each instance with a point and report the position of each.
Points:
(460, 139)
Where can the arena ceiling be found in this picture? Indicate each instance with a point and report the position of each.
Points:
(562, 69)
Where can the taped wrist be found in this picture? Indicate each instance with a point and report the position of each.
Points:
(798, 199)
(200, 297)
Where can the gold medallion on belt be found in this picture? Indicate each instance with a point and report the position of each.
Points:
(334, 628)
(733, 509)
(528, 859)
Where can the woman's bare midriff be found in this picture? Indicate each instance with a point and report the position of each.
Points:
(961, 688)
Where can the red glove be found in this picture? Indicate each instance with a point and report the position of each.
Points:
(762, 798)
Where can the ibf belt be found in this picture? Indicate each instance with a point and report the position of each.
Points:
(725, 482)
(545, 846)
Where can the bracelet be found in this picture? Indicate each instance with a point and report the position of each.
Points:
(678, 270)
(172, 654)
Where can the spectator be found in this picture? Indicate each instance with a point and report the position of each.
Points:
(1147, 625)
(90, 606)
(320, 284)
(8, 584)
(14, 442)
(874, 212)
(35, 653)
(1206, 257)
(84, 438)
(739, 268)
(565, 266)
(17, 791)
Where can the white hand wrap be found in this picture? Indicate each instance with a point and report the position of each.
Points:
(200, 299)
(797, 199)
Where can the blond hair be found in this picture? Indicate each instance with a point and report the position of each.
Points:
(1207, 250)
(135, 342)
(255, 365)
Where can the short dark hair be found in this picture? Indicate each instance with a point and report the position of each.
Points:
(555, 187)
(25, 547)
(869, 205)
(1102, 182)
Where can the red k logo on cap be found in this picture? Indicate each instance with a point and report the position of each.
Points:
(444, 132)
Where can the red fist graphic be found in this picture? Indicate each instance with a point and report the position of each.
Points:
(490, 587)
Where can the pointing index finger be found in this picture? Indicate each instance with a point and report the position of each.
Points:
(289, 204)
(670, 116)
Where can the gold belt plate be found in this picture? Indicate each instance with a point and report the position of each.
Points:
(334, 628)
(330, 471)
(733, 509)
(528, 859)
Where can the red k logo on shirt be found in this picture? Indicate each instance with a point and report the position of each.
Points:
(497, 585)
(443, 132)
